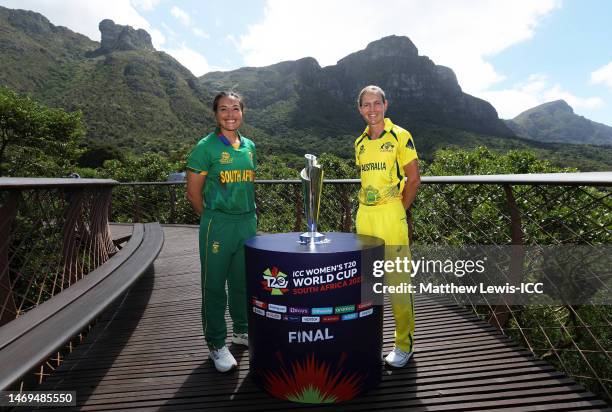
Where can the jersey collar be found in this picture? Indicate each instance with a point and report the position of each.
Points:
(224, 139)
(388, 127)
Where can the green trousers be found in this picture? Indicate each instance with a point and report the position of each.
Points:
(222, 239)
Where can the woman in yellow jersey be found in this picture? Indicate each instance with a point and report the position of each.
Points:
(389, 170)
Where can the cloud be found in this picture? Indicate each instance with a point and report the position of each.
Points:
(603, 75)
(145, 5)
(201, 33)
(169, 30)
(186, 21)
(457, 33)
(181, 15)
(194, 61)
(535, 90)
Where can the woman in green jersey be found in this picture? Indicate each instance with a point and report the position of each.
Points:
(220, 187)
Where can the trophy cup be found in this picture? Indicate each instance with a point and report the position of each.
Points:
(312, 183)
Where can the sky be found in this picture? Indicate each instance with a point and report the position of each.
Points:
(515, 55)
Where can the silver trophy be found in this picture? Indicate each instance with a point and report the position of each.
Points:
(312, 183)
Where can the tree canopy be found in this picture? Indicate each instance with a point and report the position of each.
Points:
(36, 140)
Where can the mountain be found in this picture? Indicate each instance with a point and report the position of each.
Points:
(311, 97)
(131, 95)
(136, 98)
(557, 122)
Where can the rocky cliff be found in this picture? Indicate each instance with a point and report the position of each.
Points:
(115, 37)
(556, 122)
(419, 91)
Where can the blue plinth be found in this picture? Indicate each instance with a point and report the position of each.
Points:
(312, 337)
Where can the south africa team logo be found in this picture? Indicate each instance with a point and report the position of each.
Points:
(275, 281)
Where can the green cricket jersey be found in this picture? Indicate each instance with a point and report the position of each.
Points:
(229, 171)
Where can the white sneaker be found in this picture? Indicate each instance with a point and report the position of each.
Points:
(397, 358)
(240, 339)
(223, 359)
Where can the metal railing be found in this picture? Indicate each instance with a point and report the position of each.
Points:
(521, 210)
(509, 204)
(53, 232)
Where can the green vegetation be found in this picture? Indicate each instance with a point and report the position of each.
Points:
(430, 138)
(554, 219)
(36, 140)
(136, 100)
(96, 154)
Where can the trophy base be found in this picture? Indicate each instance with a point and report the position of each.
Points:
(313, 237)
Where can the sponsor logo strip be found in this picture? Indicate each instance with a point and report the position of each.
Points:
(345, 309)
(330, 314)
(366, 312)
(277, 308)
(322, 311)
(273, 315)
(259, 303)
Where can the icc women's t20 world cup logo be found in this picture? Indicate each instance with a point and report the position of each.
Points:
(275, 281)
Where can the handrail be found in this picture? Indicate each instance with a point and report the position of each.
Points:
(48, 183)
(565, 179)
(30, 339)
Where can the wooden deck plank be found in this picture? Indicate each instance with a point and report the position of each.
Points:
(149, 354)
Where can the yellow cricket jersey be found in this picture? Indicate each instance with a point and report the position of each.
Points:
(381, 163)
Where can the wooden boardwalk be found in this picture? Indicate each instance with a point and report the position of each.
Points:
(147, 353)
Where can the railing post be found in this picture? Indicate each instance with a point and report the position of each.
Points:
(410, 223)
(347, 220)
(100, 230)
(72, 218)
(501, 313)
(172, 204)
(136, 206)
(299, 207)
(8, 309)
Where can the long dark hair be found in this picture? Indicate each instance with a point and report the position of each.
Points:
(227, 94)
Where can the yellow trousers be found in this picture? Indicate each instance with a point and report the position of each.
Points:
(388, 222)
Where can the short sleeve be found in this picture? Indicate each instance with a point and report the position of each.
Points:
(198, 160)
(357, 153)
(406, 152)
(254, 157)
